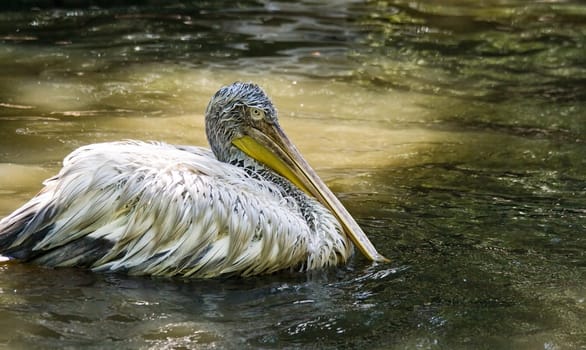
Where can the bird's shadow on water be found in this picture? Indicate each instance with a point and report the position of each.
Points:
(74, 307)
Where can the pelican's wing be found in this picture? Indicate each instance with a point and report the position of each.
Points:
(157, 209)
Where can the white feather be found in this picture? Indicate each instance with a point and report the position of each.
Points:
(169, 210)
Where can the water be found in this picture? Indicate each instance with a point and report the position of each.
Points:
(454, 131)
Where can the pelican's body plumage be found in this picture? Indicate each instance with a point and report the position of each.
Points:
(159, 209)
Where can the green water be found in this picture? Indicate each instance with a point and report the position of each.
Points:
(454, 132)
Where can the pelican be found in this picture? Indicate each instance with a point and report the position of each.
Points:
(252, 205)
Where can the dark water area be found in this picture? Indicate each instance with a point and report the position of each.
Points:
(454, 131)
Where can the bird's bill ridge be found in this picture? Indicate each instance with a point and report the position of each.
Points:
(268, 144)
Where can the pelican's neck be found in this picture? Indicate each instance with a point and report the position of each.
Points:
(255, 169)
(307, 204)
(258, 170)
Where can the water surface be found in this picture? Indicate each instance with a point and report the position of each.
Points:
(454, 132)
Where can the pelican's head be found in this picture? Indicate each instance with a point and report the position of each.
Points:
(241, 121)
(234, 110)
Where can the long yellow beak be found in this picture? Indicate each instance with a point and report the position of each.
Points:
(269, 145)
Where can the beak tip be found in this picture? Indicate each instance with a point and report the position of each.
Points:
(381, 259)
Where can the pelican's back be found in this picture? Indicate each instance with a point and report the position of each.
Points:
(158, 209)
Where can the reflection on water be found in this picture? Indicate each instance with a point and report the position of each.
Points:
(452, 130)
(133, 312)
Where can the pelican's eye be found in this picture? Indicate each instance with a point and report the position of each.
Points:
(256, 113)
